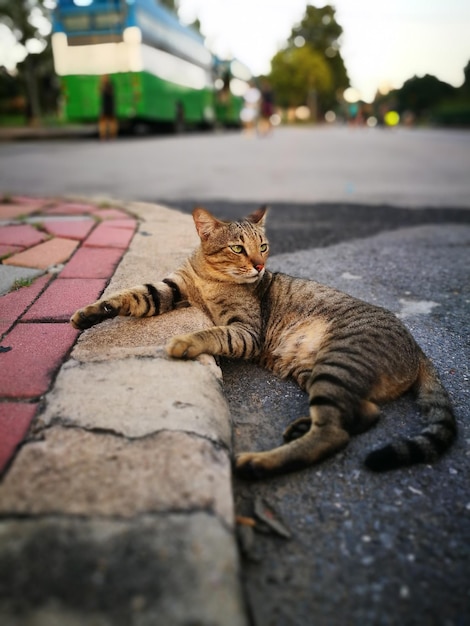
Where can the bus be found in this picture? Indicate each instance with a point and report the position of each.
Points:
(232, 79)
(161, 70)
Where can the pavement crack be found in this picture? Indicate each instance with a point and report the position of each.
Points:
(66, 423)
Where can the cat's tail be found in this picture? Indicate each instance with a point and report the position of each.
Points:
(438, 435)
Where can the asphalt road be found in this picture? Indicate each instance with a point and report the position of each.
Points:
(385, 217)
(364, 549)
(294, 165)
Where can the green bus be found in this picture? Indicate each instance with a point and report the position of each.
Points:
(231, 82)
(161, 71)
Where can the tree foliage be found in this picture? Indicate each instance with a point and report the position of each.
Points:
(466, 83)
(170, 4)
(427, 99)
(315, 42)
(29, 21)
(421, 94)
(297, 73)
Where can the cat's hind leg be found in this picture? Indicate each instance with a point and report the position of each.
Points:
(296, 429)
(322, 439)
(366, 417)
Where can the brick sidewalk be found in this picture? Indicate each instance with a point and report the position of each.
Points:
(55, 257)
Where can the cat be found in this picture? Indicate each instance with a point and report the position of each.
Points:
(348, 355)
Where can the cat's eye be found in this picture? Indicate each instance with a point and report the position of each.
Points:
(237, 249)
(263, 247)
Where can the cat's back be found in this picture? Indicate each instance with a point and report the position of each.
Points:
(303, 316)
(284, 297)
(287, 297)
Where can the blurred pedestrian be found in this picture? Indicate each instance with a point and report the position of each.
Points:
(250, 111)
(266, 109)
(108, 124)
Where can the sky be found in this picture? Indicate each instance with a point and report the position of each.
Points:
(383, 44)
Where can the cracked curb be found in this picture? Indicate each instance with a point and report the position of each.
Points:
(129, 455)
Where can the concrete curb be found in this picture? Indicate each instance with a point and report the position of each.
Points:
(130, 456)
(47, 132)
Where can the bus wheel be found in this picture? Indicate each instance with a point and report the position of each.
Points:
(141, 129)
(179, 124)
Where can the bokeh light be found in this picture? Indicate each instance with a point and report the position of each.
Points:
(351, 95)
(391, 118)
(330, 117)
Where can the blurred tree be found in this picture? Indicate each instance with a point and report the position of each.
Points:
(299, 76)
(429, 100)
(29, 21)
(170, 4)
(320, 31)
(455, 110)
(466, 83)
(420, 95)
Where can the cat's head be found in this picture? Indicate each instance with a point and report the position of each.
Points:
(233, 251)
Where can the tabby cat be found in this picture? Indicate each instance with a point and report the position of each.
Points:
(348, 355)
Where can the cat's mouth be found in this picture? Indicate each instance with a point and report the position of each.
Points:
(246, 277)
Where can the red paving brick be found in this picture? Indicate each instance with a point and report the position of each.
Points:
(76, 229)
(15, 418)
(37, 351)
(21, 235)
(11, 211)
(92, 263)
(28, 200)
(14, 304)
(69, 208)
(52, 252)
(7, 249)
(106, 236)
(124, 223)
(33, 347)
(63, 297)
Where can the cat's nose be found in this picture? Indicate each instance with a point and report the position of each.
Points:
(259, 267)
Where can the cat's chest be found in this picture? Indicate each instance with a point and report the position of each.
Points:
(295, 346)
(230, 303)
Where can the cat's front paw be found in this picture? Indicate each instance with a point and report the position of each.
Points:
(184, 347)
(92, 314)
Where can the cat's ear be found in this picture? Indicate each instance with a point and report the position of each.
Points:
(205, 222)
(259, 216)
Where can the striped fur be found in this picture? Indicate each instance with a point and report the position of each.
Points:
(348, 355)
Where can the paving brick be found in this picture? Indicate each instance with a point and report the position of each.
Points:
(63, 297)
(52, 252)
(92, 263)
(14, 304)
(70, 208)
(23, 235)
(15, 418)
(29, 201)
(76, 229)
(37, 351)
(6, 249)
(110, 214)
(12, 211)
(106, 236)
(10, 276)
(124, 223)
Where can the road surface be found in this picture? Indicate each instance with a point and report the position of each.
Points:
(380, 214)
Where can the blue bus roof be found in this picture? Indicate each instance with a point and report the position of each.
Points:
(152, 7)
